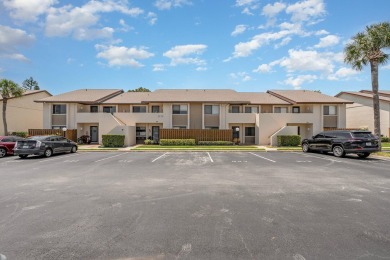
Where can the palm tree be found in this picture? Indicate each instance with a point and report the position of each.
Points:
(8, 89)
(367, 47)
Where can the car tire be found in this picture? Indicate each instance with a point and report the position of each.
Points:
(23, 156)
(48, 152)
(338, 151)
(305, 148)
(74, 149)
(363, 155)
(3, 152)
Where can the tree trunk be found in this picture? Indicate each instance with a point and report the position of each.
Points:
(375, 100)
(4, 115)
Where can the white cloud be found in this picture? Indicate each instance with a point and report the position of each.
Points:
(79, 21)
(298, 81)
(263, 68)
(245, 2)
(321, 32)
(343, 73)
(179, 54)
(118, 56)
(328, 41)
(152, 18)
(284, 42)
(11, 39)
(247, 5)
(29, 10)
(300, 60)
(306, 10)
(239, 29)
(201, 69)
(241, 76)
(158, 67)
(169, 4)
(124, 26)
(272, 10)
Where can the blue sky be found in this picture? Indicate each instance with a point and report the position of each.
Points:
(246, 45)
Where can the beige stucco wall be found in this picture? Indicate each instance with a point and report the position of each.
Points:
(23, 113)
(361, 113)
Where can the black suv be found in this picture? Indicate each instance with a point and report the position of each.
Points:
(341, 142)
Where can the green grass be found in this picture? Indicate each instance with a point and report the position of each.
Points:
(287, 148)
(197, 147)
(382, 154)
(386, 145)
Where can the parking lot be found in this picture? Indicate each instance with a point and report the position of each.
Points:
(195, 205)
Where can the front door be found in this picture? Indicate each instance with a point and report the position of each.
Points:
(156, 134)
(94, 134)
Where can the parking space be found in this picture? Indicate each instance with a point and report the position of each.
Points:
(194, 205)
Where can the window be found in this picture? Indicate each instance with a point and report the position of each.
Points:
(212, 127)
(280, 110)
(58, 127)
(139, 109)
(94, 109)
(179, 127)
(179, 109)
(211, 109)
(235, 109)
(155, 109)
(249, 131)
(109, 109)
(296, 110)
(330, 110)
(8, 139)
(253, 110)
(59, 109)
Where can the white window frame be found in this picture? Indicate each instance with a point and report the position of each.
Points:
(274, 107)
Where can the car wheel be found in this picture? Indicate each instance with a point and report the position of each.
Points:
(363, 155)
(23, 156)
(74, 149)
(305, 148)
(338, 151)
(3, 152)
(48, 152)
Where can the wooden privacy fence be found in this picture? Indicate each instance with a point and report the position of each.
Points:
(197, 134)
(70, 133)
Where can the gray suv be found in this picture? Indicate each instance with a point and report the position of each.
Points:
(44, 145)
(342, 142)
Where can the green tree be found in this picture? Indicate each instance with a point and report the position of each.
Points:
(368, 48)
(8, 89)
(140, 89)
(30, 84)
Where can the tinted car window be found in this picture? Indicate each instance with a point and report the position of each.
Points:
(342, 135)
(7, 139)
(62, 139)
(319, 136)
(362, 135)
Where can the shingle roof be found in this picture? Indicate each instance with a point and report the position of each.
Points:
(306, 97)
(195, 95)
(83, 96)
(385, 93)
(364, 94)
(29, 92)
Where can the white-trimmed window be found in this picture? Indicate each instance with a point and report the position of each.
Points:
(211, 109)
(253, 110)
(179, 109)
(280, 109)
(139, 109)
(330, 110)
(179, 127)
(59, 109)
(235, 109)
(250, 131)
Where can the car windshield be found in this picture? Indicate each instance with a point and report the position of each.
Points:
(39, 138)
(362, 135)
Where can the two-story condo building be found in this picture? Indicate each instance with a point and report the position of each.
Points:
(254, 117)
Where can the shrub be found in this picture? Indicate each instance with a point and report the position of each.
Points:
(148, 141)
(167, 142)
(385, 139)
(215, 143)
(113, 140)
(21, 134)
(289, 140)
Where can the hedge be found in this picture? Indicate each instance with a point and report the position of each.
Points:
(289, 140)
(215, 143)
(167, 142)
(21, 134)
(113, 140)
(385, 139)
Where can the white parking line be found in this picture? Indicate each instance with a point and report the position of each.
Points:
(160, 157)
(110, 157)
(262, 157)
(59, 157)
(211, 159)
(319, 157)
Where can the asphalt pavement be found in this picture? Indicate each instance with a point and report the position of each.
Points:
(194, 205)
